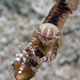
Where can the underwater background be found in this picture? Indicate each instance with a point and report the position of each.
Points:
(18, 19)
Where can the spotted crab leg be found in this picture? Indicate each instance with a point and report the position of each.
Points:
(48, 58)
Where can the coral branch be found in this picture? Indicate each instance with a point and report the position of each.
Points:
(59, 13)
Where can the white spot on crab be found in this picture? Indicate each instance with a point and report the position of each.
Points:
(22, 63)
(17, 55)
(30, 47)
(34, 38)
(19, 72)
(33, 51)
(21, 68)
(29, 44)
(17, 59)
(44, 59)
(24, 59)
(20, 55)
